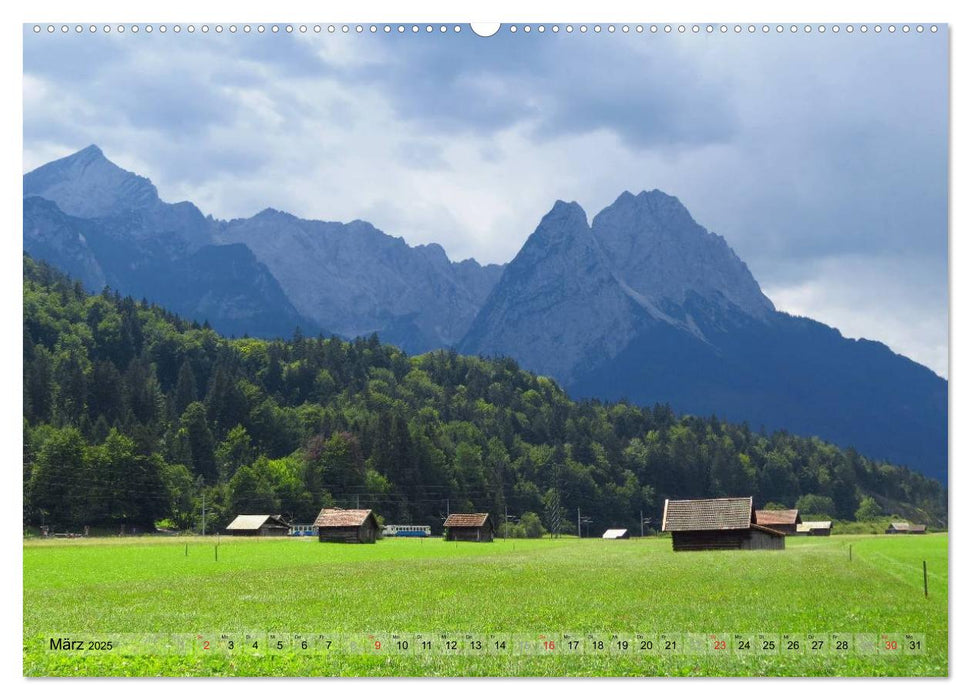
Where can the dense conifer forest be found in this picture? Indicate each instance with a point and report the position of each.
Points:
(134, 416)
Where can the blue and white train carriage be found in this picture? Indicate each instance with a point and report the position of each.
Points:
(407, 531)
(304, 530)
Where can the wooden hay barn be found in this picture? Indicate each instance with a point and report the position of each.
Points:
(717, 523)
(815, 528)
(351, 526)
(258, 526)
(906, 529)
(469, 527)
(784, 521)
(616, 534)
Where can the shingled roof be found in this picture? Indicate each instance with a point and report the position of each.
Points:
(777, 517)
(708, 514)
(337, 517)
(814, 525)
(466, 520)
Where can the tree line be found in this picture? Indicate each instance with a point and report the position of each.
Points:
(133, 416)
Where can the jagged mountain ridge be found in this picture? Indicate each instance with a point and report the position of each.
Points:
(350, 279)
(578, 293)
(357, 280)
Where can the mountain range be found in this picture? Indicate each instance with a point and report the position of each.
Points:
(641, 303)
(263, 276)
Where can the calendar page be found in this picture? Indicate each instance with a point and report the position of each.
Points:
(515, 349)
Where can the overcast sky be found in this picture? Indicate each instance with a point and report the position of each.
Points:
(822, 159)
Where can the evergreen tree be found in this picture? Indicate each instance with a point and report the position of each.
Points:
(185, 388)
(201, 446)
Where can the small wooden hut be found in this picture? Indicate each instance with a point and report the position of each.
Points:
(917, 529)
(258, 526)
(784, 521)
(469, 527)
(351, 526)
(717, 523)
(815, 528)
(898, 528)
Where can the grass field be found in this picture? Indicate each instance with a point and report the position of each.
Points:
(101, 587)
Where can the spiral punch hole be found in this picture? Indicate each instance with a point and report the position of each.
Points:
(486, 29)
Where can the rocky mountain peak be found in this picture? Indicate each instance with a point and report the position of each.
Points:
(88, 185)
(657, 249)
(565, 224)
(565, 211)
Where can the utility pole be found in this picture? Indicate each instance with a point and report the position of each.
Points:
(203, 512)
(579, 532)
(642, 523)
(505, 528)
(447, 511)
(358, 501)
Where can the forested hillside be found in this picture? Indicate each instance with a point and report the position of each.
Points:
(132, 416)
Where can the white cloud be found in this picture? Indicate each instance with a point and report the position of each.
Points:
(871, 298)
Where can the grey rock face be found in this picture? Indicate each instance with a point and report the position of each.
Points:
(557, 307)
(576, 294)
(88, 185)
(62, 241)
(356, 280)
(662, 254)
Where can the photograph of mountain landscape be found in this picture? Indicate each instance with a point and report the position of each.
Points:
(486, 304)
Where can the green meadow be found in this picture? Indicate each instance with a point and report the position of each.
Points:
(513, 589)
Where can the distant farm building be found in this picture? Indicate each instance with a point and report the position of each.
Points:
(905, 528)
(351, 526)
(616, 534)
(784, 521)
(469, 527)
(258, 526)
(717, 523)
(815, 528)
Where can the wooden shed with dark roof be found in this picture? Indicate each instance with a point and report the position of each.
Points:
(905, 528)
(469, 527)
(784, 521)
(717, 523)
(351, 526)
(258, 526)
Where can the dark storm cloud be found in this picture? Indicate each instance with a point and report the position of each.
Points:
(562, 84)
(851, 153)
